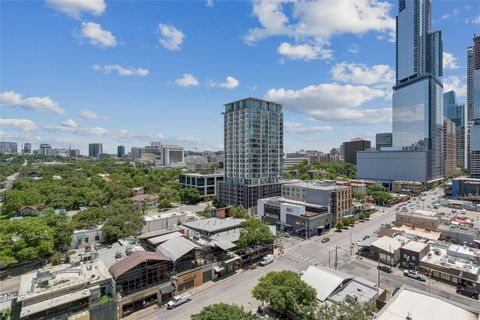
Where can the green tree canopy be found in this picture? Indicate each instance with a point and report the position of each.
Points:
(284, 290)
(382, 197)
(239, 212)
(223, 311)
(344, 311)
(374, 188)
(190, 195)
(88, 218)
(122, 221)
(255, 232)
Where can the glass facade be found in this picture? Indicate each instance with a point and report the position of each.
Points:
(383, 140)
(253, 138)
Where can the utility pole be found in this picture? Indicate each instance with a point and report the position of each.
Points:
(351, 243)
(378, 271)
(429, 280)
(336, 257)
(329, 254)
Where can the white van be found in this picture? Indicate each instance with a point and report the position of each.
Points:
(178, 300)
(266, 260)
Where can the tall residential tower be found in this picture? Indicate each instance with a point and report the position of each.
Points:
(253, 145)
(473, 106)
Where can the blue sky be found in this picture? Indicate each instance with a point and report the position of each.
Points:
(129, 72)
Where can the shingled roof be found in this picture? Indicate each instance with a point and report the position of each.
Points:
(134, 260)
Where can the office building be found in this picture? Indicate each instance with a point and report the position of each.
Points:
(292, 162)
(121, 151)
(45, 149)
(8, 147)
(206, 184)
(474, 159)
(350, 149)
(253, 144)
(27, 148)
(74, 153)
(173, 155)
(449, 147)
(467, 189)
(94, 150)
(417, 104)
(383, 140)
(338, 198)
(456, 113)
(136, 153)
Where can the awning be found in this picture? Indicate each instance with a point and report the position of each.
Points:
(218, 269)
(167, 289)
(225, 245)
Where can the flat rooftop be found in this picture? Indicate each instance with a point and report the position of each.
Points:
(316, 184)
(163, 215)
(65, 277)
(279, 200)
(356, 290)
(438, 256)
(390, 244)
(200, 175)
(214, 224)
(107, 254)
(415, 246)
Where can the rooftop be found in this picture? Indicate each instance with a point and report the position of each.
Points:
(133, 260)
(419, 305)
(214, 224)
(324, 280)
(356, 290)
(176, 248)
(390, 244)
(418, 232)
(438, 256)
(108, 254)
(162, 238)
(415, 246)
(164, 215)
(317, 185)
(143, 197)
(196, 174)
(65, 277)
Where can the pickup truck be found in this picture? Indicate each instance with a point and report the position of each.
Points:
(178, 300)
(415, 275)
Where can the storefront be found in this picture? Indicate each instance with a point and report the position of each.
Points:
(188, 280)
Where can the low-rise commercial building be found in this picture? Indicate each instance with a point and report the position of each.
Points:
(297, 217)
(86, 238)
(206, 184)
(145, 201)
(419, 218)
(387, 250)
(207, 228)
(63, 290)
(466, 189)
(453, 264)
(408, 187)
(162, 221)
(338, 198)
(412, 252)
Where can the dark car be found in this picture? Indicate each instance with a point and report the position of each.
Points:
(325, 240)
(366, 237)
(468, 291)
(386, 269)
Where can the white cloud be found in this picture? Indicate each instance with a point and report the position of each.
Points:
(451, 14)
(170, 37)
(318, 21)
(454, 83)
(353, 48)
(91, 115)
(298, 127)
(476, 20)
(230, 83)
(449, 61)
(21, 124)
(187, 80)
(75, 8)
(122, 71)
(97, 36)
(303, 51)
(362, 74)
(37, 104)
(333, 102)
(70, 123)
(209, 3)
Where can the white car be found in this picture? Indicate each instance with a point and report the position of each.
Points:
(266, 260)
(415, 275)
(178, 300)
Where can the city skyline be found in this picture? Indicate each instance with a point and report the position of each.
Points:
(120, 80)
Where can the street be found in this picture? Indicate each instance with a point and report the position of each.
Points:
(299, 254)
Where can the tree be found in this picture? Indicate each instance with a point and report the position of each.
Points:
(382, 197)
(254, 233)
(339, 226)
(190, 195)
(123, 221)
(167, 196)
(223, 311)
(88, 218)
(374, 188)
(344, 311)
(359, 195)
(239, 212)
(284, 290)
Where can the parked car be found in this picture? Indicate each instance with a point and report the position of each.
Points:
(324, 240)
(468, 291)
(366, 237)
(386, 269)
(415, 275)
(178, 300)
(266, 260)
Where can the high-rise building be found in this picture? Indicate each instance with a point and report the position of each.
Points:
(351, 147)
(45, 149)
(121, 151)
(94, 150)
(417, 104)
(8, 147)
(27, 148)
(456, 112)
(74, 153)
(449, 146)
(383, 140)
(136, 152)
(172, 155)
(253, 145)
(473, 107)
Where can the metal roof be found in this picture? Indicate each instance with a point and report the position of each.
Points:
(324, 280)
(133, 260)
(176, 248)
(165, 237)
(224, 245)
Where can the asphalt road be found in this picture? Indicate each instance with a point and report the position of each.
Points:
(299, 255)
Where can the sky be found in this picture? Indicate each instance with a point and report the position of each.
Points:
(126, 73)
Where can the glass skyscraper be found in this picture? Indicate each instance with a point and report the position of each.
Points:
(473, 106)
(253, 145)
(418, 93)
(456, 113)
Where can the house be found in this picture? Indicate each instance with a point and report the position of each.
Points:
(27, 211)
(145, 201)
(138, 190)
(82, 238)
